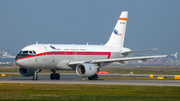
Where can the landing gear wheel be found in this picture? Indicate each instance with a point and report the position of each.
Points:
(52, 76)
(90, 78)
(94, 77)
(55, 76)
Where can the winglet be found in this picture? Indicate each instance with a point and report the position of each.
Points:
(175, 55)
(154, 49)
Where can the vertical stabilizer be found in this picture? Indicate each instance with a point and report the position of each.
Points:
(118, 34)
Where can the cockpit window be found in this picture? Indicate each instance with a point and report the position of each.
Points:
(25, 52)
(30, 52)
(34, 52)
(20, 52)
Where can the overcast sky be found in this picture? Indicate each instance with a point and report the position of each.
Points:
(151, 24)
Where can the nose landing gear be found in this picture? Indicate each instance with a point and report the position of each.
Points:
(35, 76)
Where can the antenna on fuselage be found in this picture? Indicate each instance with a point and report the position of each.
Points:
(87, 43)
(36, 42)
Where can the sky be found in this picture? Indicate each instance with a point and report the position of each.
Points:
(150, 24)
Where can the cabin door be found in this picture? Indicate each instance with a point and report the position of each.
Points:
(44, 52)
(113, 53)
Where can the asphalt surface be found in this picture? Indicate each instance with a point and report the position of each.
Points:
(75, 79)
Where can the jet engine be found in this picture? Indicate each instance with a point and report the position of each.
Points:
(26, 72)
(86, 69)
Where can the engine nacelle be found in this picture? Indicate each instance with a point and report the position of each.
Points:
(26, 72)
(86, 69)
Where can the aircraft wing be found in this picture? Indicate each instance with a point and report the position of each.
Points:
(8, 56)
(121, 60)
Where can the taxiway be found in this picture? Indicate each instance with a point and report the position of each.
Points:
(75, 79)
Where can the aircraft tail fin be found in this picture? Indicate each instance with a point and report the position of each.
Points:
(175, 55)
(118, 34)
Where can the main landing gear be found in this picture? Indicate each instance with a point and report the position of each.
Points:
(94, 77)
(54, 75)
(35, 76)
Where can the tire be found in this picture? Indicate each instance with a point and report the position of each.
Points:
(95, 77)
(52, 76)
(57, 76)
(90, 78)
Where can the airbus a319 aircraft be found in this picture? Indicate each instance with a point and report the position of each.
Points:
(85, 59)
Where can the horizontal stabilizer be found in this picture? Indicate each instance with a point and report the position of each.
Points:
(139, 50)
(175, 55)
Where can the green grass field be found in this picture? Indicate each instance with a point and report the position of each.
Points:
(19, 92)
(136, 78)
(142, 71)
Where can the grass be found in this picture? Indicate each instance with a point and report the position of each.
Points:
(10, 75)
(9, 69)
(15, 91)
(142, 71)
(135, 78)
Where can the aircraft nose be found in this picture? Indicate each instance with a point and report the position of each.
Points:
(19, 58)
(19, 62)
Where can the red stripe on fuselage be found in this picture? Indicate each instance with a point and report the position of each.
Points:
(68, 53)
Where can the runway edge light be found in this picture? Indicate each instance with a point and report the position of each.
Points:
(151, 76)
(160, 77)
(3, 75)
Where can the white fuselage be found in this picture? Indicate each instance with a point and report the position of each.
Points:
(59, 56)
(56, 56)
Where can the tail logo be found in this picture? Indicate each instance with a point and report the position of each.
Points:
(116, 32)
(54, 48)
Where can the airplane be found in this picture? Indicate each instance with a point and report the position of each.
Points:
(86, 60)
(9, 56)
